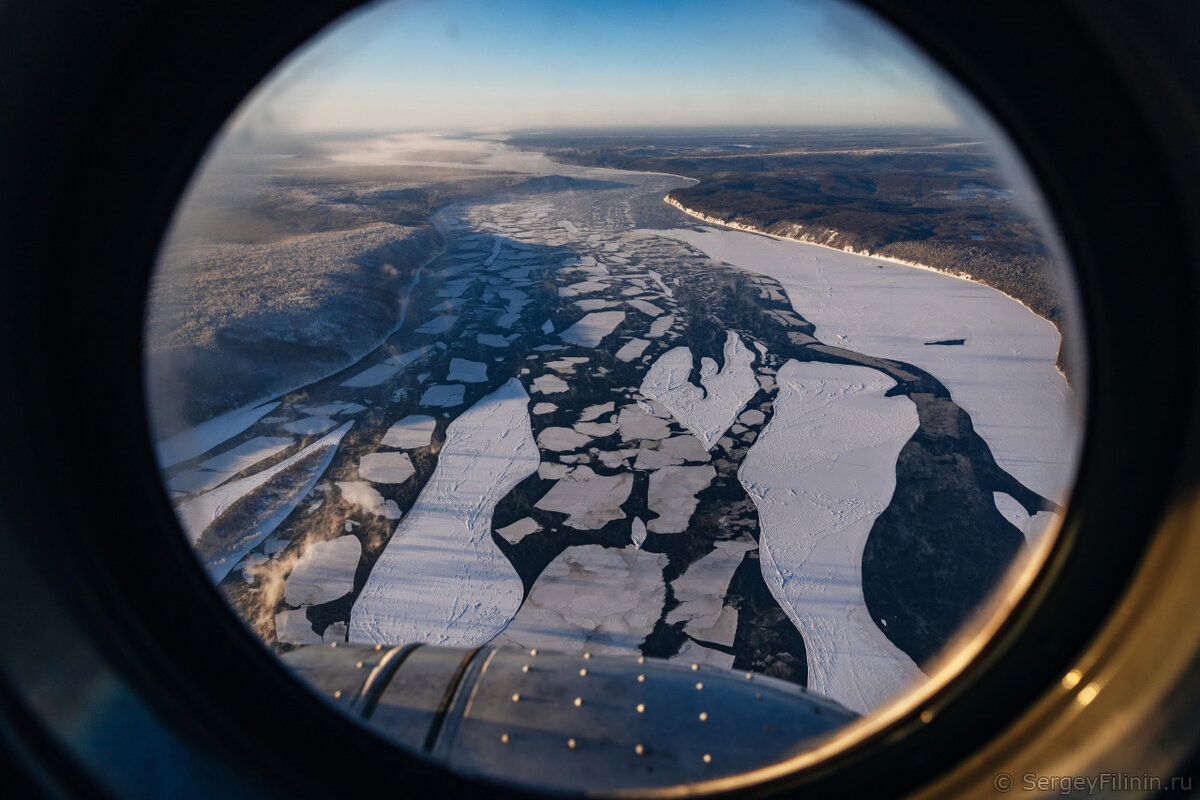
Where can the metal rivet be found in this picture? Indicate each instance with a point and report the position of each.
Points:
(703, 716)
(641, 678)
(578, 702)
(641, 660)
(749, 676)
(571, 743)
(583, 672)
(587, 655)
(504, 738)
(707, 758)
(640, 750)
(378, 647)
(337, 693)
(333, 644)
(641, 708)
(533, 652)
(695, 667)
(699, 686)
(359, 665)
(524, 668)
(516, 698)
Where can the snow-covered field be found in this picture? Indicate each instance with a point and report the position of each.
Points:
(1003, 374)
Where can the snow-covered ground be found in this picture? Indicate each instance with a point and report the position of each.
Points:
(441, 577)
(821, 472)
(709, 411)
(1003, 375)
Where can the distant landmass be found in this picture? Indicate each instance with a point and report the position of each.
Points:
(927, 198)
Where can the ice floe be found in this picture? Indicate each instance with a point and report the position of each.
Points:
(440, 324)
(646, 307)
(552, 471)
(197, 480)
(385, 467)
(415, 430)
(669, 452)
(519, 530)
(561, 439)
(444, 395)
(467, 371)
(636, 423)
(706, 412)
(544, 408)
(594, 304)
(220, 468)
(752, 417)
(701, 592)
(820, 474)
(441, 578)
(310, 426)
(292, 627)
(324, 572)
(280, 488)
(632, 349)
(657, 278)
(589, 331)
(367, 497)
(207, 435)
(492, 340)
(637, 532)
(332, 409)
(601, 600)
(590, 500)
(596, 430)
(592, 412)
(549, 384)
(1033, 527)
(661, 326)
(672, 496)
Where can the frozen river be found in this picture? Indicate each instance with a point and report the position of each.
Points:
(602, 427)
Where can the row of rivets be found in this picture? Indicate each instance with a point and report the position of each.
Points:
(572, 744)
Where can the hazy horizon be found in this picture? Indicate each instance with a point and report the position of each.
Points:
(477, 66)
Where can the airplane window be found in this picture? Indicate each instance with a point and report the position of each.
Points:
(615, 398)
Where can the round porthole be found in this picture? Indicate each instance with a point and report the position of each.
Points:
(612, 427)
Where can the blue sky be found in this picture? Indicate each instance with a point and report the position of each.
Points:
(505, 64)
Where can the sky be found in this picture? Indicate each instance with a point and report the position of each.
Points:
(494, 65)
